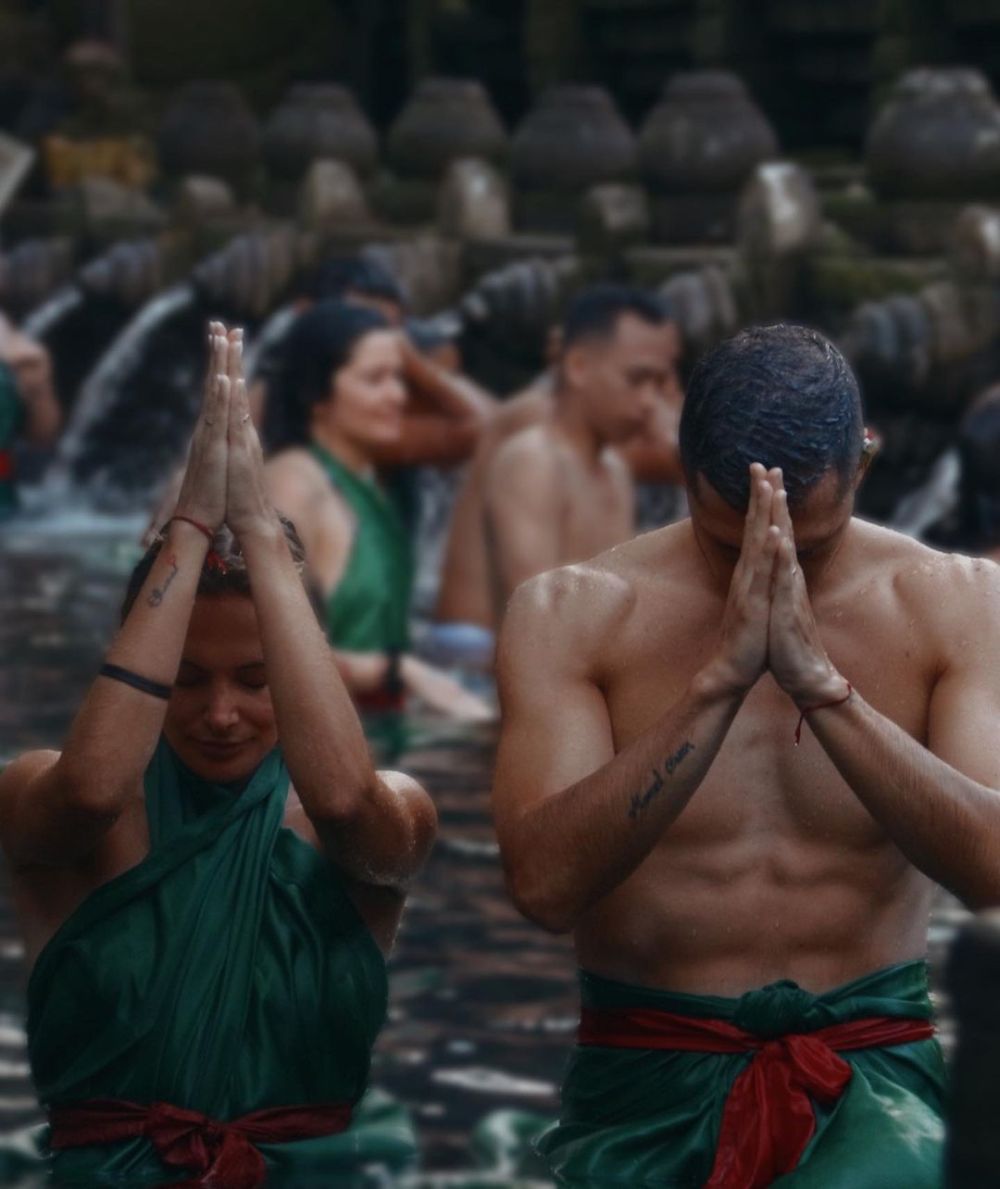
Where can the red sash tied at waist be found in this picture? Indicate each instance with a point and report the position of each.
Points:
(6, 466)
(768, 1119)
(219, 1154)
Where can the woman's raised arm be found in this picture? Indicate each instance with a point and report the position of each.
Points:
(54, 808)
(377, 832)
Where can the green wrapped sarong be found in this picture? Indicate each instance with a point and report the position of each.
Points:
(227, 973)
(650, 1115)
(369, 611)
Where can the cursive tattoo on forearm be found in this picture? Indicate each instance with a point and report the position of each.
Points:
(641, 800)
(156, 594)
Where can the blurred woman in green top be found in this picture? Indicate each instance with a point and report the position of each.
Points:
(344, 404)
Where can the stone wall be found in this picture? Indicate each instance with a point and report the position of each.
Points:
(818, 67)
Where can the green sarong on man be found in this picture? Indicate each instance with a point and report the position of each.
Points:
(215, 1006)
(842, 1090)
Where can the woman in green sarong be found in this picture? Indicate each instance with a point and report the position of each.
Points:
(345, 403)
(210, 874)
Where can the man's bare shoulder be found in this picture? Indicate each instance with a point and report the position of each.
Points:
(917, 567)
(589, 599)
(529, 457)
(944, 588)
(529, 445)
(578, 602)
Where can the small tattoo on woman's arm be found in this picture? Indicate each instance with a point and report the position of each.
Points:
(156, 594)
(639, 801)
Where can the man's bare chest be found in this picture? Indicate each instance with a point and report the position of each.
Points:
(596, 514)
(761, 780)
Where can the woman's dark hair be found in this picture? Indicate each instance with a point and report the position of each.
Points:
(339, 276)
(224, 570)
(320, 342)
(780, 395)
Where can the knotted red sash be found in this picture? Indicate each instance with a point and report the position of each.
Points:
(219, 1154)
(6, 465)
(768, 1119)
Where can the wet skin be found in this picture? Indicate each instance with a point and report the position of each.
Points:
(774, 868)
(221, 723)
(467, 592)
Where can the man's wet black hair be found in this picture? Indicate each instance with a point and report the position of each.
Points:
(780, 395)
(594, 313)
(342, 275)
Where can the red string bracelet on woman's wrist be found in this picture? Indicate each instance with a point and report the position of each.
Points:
(821, 706)
(202, 528)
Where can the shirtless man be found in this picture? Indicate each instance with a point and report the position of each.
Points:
(554, 491)
(465, 609)
(651, 798)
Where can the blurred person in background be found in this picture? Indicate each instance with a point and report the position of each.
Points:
(29, 409)
(210, 875)
(547, 483)
(444, 415)
(344, 404)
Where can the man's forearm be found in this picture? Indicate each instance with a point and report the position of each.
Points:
(945, 823)
(574, 848)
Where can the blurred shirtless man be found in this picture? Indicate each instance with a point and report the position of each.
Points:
(750, 915)
(545, 486)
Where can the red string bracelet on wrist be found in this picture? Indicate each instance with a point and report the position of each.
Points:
(821, 706)
(202, 528)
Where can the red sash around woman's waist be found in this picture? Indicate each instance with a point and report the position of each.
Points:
(6, 466)
(768, 1118)
(219, 1154)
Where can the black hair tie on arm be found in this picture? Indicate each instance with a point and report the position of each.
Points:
(155, 688)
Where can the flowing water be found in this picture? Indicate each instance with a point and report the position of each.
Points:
(128, 425)
(63, 302)
(482, 1004)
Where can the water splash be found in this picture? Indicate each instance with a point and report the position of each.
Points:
(271, 333)
(103, 390)
(41, 321)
